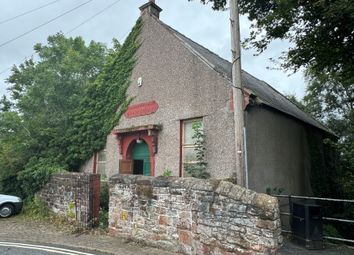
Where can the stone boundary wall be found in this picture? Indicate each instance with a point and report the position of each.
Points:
(75, 196)
(194, 216)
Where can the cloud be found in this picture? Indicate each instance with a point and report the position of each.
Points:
(199, 22)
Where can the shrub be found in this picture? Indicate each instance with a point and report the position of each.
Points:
(36, 174)
(103, 219)
(104, 196)
(198, 170)
(167, 173)
(274, 191)
(104, 205)
(35, 208)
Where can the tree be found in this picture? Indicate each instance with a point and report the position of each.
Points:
(104, 102)
(44, 94)
(217, 4)
(333, 102)
(321, 33)
(62, 109)
(14, 145)
(5, 104)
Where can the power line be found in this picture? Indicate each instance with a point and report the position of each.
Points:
(92, 17)
(43, 24)
(76, 27)
(5, 70)
(9, 68)
(28, 12)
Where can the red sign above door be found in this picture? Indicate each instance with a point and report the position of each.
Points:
(142, 109)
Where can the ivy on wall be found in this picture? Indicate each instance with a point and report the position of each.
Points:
(104, 103)
(324, 170)
(62, 108)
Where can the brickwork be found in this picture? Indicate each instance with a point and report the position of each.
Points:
(194, 216)
(74, 196)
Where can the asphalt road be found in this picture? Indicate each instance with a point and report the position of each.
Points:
(21, 230)
(15, 248)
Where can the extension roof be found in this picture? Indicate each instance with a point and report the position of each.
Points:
(268, 95)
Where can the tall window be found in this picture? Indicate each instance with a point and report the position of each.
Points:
(188, 144)
(101, 164)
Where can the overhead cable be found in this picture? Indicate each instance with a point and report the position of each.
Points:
(10, 67)
(28, 12)
(76, 27)
(43, 24)
(92, 17)
(5, 70)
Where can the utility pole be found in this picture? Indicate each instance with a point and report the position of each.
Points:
(237, 91)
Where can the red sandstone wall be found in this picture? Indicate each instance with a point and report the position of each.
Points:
(75, 196)
(194, 216)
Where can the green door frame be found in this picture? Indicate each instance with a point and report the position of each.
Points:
(140, 151)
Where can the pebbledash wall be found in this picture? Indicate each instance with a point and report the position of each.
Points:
(168, 69)
(194, 216)
(184, 87)
(75, 196)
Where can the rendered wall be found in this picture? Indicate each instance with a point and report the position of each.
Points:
(278, 154)
(76, 196)
(194, 216)
(184, 87)
(112, 156)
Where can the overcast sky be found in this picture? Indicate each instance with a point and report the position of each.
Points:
(198, 22)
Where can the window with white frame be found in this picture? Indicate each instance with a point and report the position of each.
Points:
(101, 164)
(188, 144)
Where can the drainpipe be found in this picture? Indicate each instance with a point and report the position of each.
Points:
(94, 170)
(245, 159)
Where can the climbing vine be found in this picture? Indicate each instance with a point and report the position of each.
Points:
(324, 170)
(104, 103)
(62, 108)
(199, 169)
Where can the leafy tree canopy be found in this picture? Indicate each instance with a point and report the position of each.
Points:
(43, 94)
(322, 37)
(61, 108)
(321, 32)
(217, 4)
(47, 91)
(332, 102)
(104, 102)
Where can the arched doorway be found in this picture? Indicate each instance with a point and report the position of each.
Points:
(145, 138)
(141, 158)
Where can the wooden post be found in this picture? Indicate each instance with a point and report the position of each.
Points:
(237, 91)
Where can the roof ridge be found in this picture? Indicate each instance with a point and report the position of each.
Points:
(176, 33)
(164, 24)
(212, 52)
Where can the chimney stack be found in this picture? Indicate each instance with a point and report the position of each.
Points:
(151, 8)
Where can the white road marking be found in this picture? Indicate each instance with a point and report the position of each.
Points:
(44, 248)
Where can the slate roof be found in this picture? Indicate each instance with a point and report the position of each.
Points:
(268, 95)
